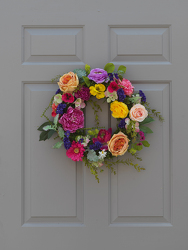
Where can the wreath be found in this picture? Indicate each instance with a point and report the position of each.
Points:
(97, 146)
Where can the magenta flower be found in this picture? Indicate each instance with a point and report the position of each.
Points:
(113, 87)
(104, 135)
(83, 93)
(127, 87)
(68, 97)
(76, 151)
(139, 144)
(98, 75)
(142, 136)
(72, 120)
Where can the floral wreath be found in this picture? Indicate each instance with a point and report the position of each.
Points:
(97, 146)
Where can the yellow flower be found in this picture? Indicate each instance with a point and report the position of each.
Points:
(98, 90)
(119, 109)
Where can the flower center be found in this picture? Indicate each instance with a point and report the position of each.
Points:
(66, 79)
(119, 144)
(76, 150)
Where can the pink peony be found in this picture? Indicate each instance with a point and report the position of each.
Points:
(68, 97)
(113, 87)
(76, 151)
(83, 93)
(127, 86)
(72, 120)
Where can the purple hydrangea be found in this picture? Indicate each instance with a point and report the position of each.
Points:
(142, 95)
(122, 123)
(121, 95)
(67, 143)
(98, 75)
(60, 108)
(83, 93)
(96, 146)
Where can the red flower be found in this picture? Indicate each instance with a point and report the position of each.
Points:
(68, 97)
(104, 135)
(113, 87)
(54, 107)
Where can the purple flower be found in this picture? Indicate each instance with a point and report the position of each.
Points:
(83, 93)
(96, 146)
(121, 95)
(67, 143)
(60, 108)
(67, 133)
(72, 120)
(142, 95)
(58, 91)
(111, 76)
(98, 75)
(142, 136)
(116, 75)
(122, 123)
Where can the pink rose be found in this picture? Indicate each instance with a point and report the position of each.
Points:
(72, 120)
(138, 113)
(127, 86)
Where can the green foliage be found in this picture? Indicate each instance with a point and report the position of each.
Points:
(80, 73)
(145, 143)
(46, 135)
(145, 129)
(109, 67)
(147, 120)
(87, 69)
(121, 69)
(58, 144)
(61, 132)
(154, 112)
(48, 127)
(135, 99)
(87, 81)
(56, 120)
(96, 108)
(43, 125)
(137, 147)
(56, 78)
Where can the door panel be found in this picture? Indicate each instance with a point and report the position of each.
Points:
(46, 200)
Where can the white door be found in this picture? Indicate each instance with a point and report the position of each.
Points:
(48, 202)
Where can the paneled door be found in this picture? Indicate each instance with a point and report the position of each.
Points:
(47, 202)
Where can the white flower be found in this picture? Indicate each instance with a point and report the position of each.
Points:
(102, 154)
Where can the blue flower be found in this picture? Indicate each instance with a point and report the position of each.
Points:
(60, 108)
(121, 95)
(67, 143)
(96, 146)
(122, 123)
(111, 76)
(58, 91)
(116, 75)
(67, 133)
(142, 95)
(81, 140)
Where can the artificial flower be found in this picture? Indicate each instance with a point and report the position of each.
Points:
(113, 87)
(85, 139)
(98, 91)
(127, 122)
(68, 82)
(104, 135)
(58, 99)
(92, 156)
(72, 120)
(142, 136)
(96, 146)
(54, 107)
(111, 96)
(98, 75)
(76, 151)
(138, 113)
(79, 103)
(137, 127)
(118, 144)
(127, 87)
(83, 93)
(68, 97)
(67, 143)
(142, 95)
(102, 154)
(119, 109)
(60, 108)
(121, 95)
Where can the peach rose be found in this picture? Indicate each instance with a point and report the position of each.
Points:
(138, 113)
(68, 82)
(118, 144)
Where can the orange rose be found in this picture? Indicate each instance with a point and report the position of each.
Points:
(118, 144)
(138, 113)
(68, 82)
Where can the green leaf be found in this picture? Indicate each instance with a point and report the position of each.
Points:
(109, 67)
(145, 143)
(145, 129)
(87, 69)
(135, 99)
(58, 144)
(43, 136)
(56, 119)
(87, 81)
(46, 128)
(147, 120)
(43, 125)
(61, 132)
(50, 133)
(137, 147)
(122, 68)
